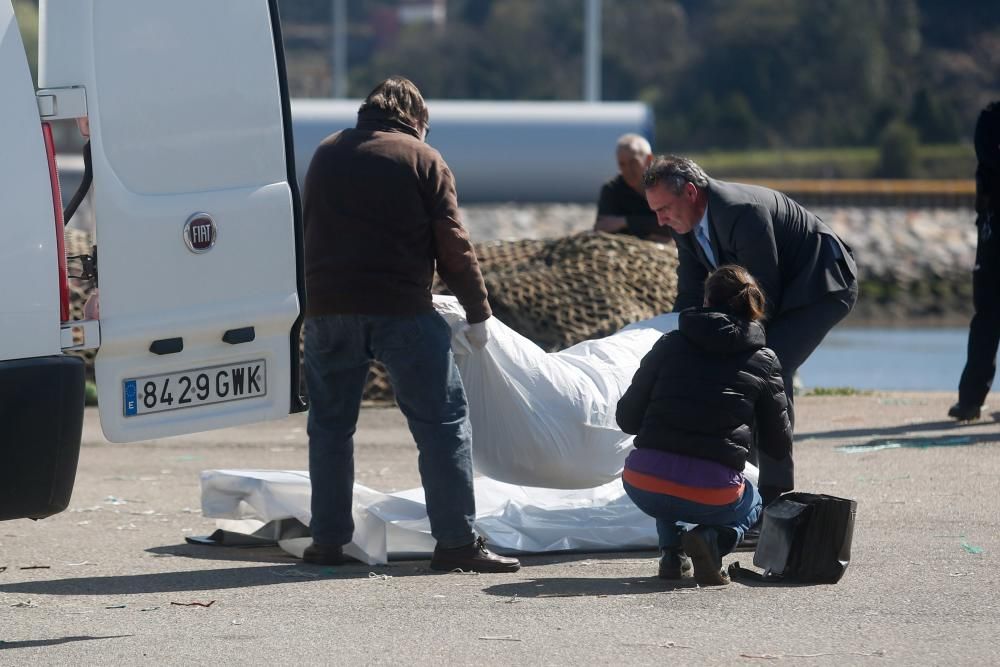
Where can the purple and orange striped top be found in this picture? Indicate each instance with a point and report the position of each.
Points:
(698, 480)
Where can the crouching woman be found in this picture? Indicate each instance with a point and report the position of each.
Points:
(694, 406)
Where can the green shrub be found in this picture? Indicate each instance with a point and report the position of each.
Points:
(897, 151)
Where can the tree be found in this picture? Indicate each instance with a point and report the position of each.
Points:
(718, 73)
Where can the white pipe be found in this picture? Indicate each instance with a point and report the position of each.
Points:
(592, 52)
(338, 65)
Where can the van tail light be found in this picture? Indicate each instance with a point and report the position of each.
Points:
(57, 212)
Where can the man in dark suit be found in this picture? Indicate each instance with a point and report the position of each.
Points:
(807, 273)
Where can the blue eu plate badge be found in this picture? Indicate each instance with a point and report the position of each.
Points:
(131, 404)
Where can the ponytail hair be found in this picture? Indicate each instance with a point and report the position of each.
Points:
(732, 288)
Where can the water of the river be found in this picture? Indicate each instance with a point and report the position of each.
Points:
(891, 359)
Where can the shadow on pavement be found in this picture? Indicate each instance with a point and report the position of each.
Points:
(949, 425)
(917, 443)
(254, 554)
(567, 587)
(35, 643)
(563, 557)
(274, 554)
(204, 580)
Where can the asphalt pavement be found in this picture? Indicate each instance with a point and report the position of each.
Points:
(112, 581)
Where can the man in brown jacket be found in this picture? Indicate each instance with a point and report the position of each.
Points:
(381, 214)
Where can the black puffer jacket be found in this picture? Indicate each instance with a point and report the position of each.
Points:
(987, 143)
(702, 389)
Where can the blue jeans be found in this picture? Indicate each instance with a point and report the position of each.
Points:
(733, 519)
(416, 351)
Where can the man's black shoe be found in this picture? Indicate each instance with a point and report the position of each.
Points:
(674, 564)
(324, 554)
(964, 413)
(701, 543)
(473, 557)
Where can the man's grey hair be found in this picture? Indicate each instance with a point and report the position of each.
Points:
(674, 172)
(636, 144)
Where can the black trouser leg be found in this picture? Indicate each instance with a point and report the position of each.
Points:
(794, 336)
(984, 330)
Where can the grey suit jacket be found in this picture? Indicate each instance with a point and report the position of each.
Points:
(795, 257)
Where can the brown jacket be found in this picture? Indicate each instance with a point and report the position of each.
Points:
(380, 211)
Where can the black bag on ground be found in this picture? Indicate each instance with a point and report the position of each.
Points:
(805, 537)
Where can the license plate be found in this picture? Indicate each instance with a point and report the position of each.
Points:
(191, 388)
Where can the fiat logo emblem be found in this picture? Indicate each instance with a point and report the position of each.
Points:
(199, 233)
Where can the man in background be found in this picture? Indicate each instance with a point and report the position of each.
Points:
(381, 214)
(984, 330)
(806, 272)
(622, 207)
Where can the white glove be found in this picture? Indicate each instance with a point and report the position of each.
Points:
(477, 334)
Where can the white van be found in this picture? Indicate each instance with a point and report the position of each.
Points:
(198, 231)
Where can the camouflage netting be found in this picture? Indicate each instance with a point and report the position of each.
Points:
(558, 292)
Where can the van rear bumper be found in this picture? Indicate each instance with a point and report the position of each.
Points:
(41, 422)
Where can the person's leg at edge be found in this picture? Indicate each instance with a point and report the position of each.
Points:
(794, 336)
(336, 368)
(417, 353)
(984, 329)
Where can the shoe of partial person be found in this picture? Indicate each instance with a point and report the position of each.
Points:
(701, 543)
(324, 554)
(964, 413)
(474, 557)
(674, 564)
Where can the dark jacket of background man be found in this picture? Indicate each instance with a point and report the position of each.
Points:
(381, 206)
(618, 198)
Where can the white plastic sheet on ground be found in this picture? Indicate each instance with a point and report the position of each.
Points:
(544, 436)
(512, 518)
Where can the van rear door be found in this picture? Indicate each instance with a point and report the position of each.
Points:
(197, 229)
(29, 314)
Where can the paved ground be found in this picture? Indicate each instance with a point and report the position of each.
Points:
(99, 583)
